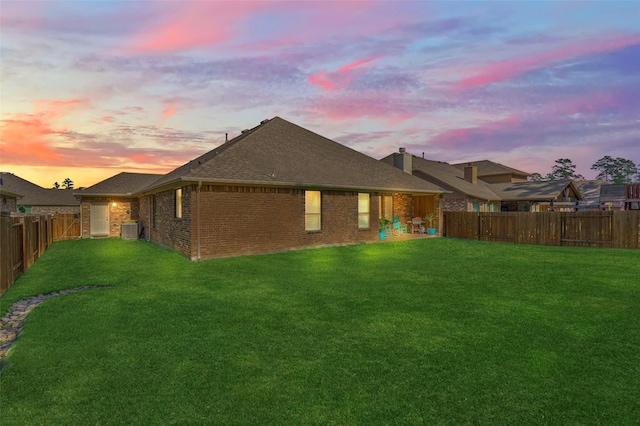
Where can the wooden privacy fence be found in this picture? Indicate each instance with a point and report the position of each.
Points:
(23, 239)
(66, 226)
(619, 229)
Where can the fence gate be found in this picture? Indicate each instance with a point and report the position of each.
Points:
(66, 226)
(587, 230)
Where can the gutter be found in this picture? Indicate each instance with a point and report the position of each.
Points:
(297, 185)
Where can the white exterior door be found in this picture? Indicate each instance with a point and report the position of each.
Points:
(99, 219)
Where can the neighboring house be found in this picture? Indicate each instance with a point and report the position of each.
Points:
(110, 202)
(39, 200)
(620, 196)
(275, 187)
(507, 189)
(9, 200)
(556, 195)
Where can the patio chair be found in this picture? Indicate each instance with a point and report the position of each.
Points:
(400, 229)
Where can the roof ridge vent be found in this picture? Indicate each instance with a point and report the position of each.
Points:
(266, 120)
(244, 131)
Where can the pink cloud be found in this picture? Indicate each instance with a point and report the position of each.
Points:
(168, 110)
(24, 138)
(339, 78)
(195, 24)
(504, 70)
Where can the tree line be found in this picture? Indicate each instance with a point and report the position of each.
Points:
(66, 184)
(612, 170)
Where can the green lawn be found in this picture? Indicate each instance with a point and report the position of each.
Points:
(431, 331)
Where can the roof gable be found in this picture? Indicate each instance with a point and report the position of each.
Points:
(280, 153)
(123, 184)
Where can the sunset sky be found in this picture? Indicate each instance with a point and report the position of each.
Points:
(93, 88)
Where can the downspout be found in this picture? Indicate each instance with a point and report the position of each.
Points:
(198, 213)
(150, 219)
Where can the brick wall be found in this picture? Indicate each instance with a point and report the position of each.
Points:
(458, 204)
(403, 207)
(251, 220)
(175, 233)
(120, 209)
(465, 204)
(8, 205)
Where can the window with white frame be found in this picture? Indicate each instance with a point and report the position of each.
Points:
(312, 208)
(363, 211)
(178, 203)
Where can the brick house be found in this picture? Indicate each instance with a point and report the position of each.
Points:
(272, 188)
(485, 186)
(107, 204)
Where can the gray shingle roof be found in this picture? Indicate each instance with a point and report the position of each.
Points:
(34, 195)
(545, 190)
(123, 184)
(280, 153)
(613, 192)
(450, 177)
(489, 168)
(590, 190)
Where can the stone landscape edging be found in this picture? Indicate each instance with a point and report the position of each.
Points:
(12, 322)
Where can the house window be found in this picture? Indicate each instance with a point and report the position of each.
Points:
(363, 211)
(312, 208)
(178, 200)
(24, 209)
(476, 206)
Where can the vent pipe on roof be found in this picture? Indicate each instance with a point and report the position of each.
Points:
(226, 137)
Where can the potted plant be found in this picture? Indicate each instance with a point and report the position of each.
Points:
(429, 217)
(382, 225)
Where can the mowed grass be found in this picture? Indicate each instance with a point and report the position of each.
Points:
(434, 331)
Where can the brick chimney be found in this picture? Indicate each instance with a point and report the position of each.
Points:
(471, 173)
(404, 161)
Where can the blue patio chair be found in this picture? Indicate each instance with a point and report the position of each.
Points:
(399, 228)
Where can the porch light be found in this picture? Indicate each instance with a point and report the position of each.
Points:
(113, 204)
